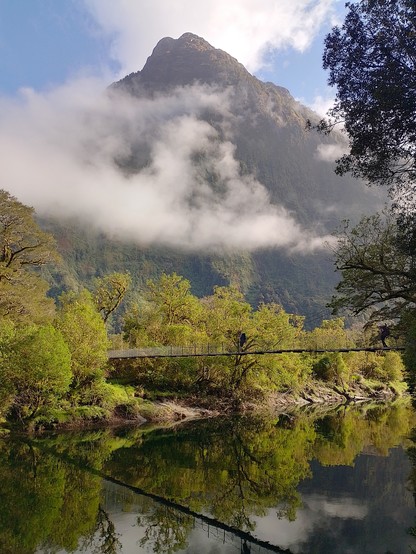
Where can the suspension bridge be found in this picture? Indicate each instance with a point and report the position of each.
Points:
(219, 350)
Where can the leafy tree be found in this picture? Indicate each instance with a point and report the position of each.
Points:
(377, 278)
(371, 60)
(372, 63)
(24, 248)
(227, 315)
(109, 292)
(168, 313)
(393, 367)
(35, 368)
(85, 333)
(7, 389)
(332, 367)
(275, 328)
(171, 294)
(331, 334)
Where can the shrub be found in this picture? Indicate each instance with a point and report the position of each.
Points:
(393, 367)
(35, 369)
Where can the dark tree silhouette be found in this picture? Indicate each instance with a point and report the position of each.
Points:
(372, 63)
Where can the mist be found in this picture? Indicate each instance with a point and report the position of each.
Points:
(146, 170)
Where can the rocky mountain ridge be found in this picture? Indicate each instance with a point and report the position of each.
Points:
(266, 127)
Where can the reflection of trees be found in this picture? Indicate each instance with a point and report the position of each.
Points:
(166, 529)
(411, 452)
(233, 469)
(343, 434)
(107, 541)
(42, 498)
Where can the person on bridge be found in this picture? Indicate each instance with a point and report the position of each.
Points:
(245, 549)
(384, 333)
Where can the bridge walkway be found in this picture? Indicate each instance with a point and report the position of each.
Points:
(212, 350)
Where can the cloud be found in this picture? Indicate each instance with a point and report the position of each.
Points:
(246, 29)
(331, 152)
(148, 170)
(322, 103)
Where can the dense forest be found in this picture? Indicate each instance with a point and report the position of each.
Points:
(54, 365)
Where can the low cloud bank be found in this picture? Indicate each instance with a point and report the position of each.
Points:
(146, 170)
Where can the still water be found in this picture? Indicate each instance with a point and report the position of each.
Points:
(339, 481)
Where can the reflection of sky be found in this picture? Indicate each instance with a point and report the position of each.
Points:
(342, 513)
(345, 512)
(317, 511)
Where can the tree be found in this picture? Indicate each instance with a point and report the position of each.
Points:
(85, 333)
(168, 313)
(377, 278)
(372, 63)
(227, 315)
(24, 248)
(35, 368)
(379, 282)
(109, 292)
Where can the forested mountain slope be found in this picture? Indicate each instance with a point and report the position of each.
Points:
(254, 133)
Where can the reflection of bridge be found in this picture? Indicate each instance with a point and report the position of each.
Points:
(210, 524)
(215, 350)
(116, 492)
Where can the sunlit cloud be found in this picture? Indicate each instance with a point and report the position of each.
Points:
(148, 170)
(246, 29)
(322, 103)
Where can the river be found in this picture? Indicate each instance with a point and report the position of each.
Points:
(326, 481)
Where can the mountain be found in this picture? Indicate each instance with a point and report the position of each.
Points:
(264, 130)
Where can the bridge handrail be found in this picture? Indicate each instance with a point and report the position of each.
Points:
(215, 350)
(168, 351)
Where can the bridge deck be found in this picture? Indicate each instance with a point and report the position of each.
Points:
(196, 351)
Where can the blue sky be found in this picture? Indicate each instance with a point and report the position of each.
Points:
(44, 43)
(60, 133)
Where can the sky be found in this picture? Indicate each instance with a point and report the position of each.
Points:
(44, 43)
(58, 56)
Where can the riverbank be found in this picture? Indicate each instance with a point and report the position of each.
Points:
(174, 407)
(170, 408)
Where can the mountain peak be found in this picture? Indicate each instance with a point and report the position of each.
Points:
(183, 61)
(186, 41)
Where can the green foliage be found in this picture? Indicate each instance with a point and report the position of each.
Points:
(332, 368)
(85, 333)
(377, 277)
(227, 314)
(35, 368)
(108, 400)
(274, 328)
(409, 321)
(24, 248)
(323, 368)
(330, 335)
(167, 314)
(371, 62)
(393, 367)
(109, 292)
(218, 320)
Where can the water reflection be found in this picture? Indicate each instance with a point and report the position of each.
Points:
(306, 482)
